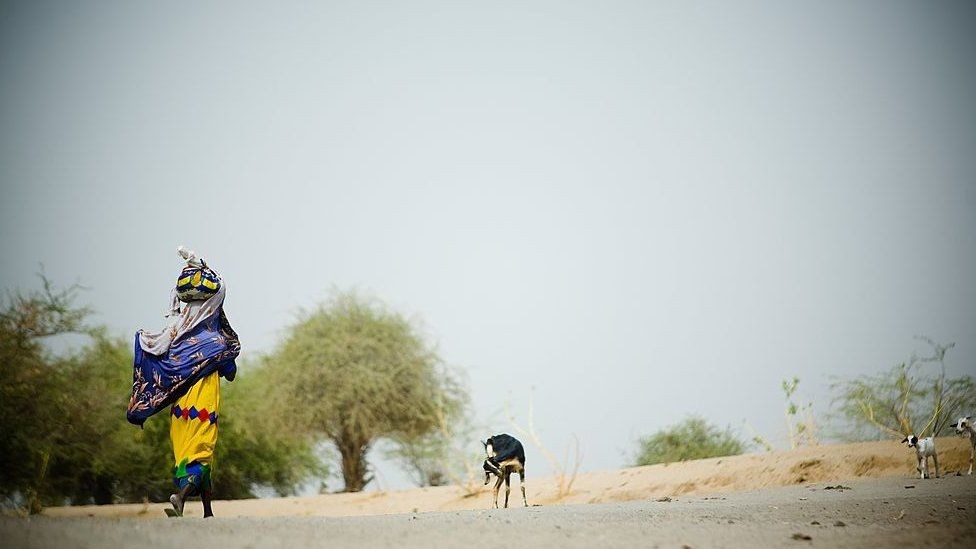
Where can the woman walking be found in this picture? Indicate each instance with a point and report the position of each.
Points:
(180, 368)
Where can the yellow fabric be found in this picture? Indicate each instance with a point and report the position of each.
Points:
(193, 439)
(196, 281)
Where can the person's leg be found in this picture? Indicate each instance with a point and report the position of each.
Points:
(207, 510)
(206, 490)
(178, 500)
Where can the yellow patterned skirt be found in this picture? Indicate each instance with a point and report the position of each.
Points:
(193, 431)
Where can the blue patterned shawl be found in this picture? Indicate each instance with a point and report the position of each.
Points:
(199, 342)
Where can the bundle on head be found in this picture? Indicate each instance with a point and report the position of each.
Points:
(196, 282)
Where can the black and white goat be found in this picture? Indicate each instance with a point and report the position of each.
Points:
(505, 456)
(924, 448)
(964, 428)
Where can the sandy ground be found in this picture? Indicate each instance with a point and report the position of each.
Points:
(756, 500)
(874, 512)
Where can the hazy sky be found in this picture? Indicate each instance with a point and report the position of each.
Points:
(642, 210)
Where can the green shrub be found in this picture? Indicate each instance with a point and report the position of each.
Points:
(692, 438)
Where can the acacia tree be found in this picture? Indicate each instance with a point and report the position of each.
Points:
(354, 372)
(908, 399)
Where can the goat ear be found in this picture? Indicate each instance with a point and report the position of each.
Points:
(904, 440)
(953, 425)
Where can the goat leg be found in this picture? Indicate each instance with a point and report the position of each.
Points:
(498, 484)
(972, 452)
(522, 486)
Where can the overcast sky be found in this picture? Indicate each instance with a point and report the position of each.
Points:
(642, 210)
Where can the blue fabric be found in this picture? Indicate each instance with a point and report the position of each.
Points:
(196, 474)
(158, 381)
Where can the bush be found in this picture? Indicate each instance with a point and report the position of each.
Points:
(34, 393)
(255, 446)
(693, 438)
(914, 397)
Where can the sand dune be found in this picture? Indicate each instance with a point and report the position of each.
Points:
(751, 472)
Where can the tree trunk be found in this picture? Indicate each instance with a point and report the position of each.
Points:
(354, 464)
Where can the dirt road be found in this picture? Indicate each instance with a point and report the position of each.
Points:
(870, 512)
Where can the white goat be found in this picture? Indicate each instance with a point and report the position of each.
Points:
(964, 428)
(924, 449)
